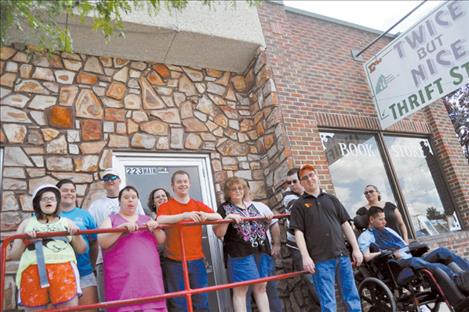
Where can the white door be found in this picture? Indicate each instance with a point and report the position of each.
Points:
(147, 171)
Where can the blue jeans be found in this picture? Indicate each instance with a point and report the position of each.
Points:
(431, 261)
(324, 281)
(275, 303)
(175, 281)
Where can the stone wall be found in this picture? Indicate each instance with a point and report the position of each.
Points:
(275, 161)
(62, 117)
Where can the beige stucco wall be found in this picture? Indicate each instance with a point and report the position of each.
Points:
(223, 36)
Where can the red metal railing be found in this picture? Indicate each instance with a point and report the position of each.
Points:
(187, 292)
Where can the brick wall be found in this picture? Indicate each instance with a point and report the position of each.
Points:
(319, 85)
(62, 117)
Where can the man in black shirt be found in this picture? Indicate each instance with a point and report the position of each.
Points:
(293, 192)
(319, 221)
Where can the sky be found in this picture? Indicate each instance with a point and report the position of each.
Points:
(379, 15)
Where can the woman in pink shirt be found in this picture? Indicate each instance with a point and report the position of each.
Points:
(131, 260)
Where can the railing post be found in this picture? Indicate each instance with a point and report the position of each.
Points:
(185, 270)
(3, 258)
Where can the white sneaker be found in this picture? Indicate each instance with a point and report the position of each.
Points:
(424, 309)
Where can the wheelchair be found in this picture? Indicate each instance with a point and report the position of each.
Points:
(385, 286)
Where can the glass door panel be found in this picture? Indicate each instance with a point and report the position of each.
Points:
(149, 171)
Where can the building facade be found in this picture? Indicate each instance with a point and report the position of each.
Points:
(294, 96)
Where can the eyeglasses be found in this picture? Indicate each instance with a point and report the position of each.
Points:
(237, 189)
(308, 176)
(292, 182)
(110, 178)
(368, 192)
(48, 199)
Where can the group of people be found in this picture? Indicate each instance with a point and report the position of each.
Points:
(146, 259)
(319, 225)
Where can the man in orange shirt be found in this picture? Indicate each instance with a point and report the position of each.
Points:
(182, 207)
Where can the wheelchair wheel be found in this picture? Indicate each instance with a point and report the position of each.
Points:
(376, 296)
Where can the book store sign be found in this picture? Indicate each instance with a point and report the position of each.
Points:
(422, 65)
(369, 150)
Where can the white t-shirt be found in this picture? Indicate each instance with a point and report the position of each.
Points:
(287, 199)
(265, 210)
(101, 208)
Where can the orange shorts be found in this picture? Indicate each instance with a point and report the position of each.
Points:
(62, 285)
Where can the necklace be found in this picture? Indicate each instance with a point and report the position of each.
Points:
(242, 209)
(251, 231)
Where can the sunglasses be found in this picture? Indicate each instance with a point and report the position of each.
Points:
(110, 178)
(368, 192)
(292, 182)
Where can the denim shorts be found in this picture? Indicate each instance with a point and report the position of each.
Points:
(88, 280)
(247, 268)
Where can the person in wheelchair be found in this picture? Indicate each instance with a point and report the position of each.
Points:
(388, 241)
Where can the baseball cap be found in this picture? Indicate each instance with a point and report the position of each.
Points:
(304, 168)
(48, 187)
(109, 171)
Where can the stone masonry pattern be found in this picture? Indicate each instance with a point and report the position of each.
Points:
(62, 117)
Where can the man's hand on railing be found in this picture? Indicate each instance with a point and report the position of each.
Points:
(202, 215)
(308, 264)
(195, 216)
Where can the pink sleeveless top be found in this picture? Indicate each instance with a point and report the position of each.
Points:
(132, 268)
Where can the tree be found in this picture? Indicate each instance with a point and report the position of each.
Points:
(457, 105)
(42, 17)
(434, 214)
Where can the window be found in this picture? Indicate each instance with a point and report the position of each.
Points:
(354, 162)
(421, 182)
(409, 177)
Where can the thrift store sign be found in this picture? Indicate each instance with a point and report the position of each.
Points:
(422, 65)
